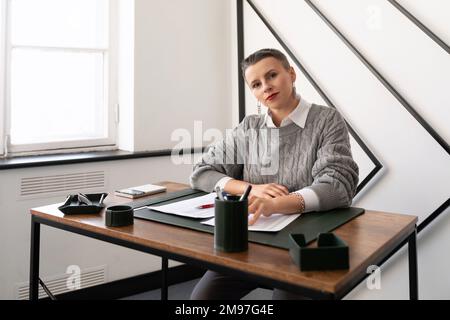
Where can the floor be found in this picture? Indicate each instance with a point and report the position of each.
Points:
(183, 290)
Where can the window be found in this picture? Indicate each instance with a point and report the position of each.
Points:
(60, 74)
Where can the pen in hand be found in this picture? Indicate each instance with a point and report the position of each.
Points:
(246, 193)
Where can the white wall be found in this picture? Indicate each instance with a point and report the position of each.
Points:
(126, 74)
(2, 67)
(182, 65)
(416, 171)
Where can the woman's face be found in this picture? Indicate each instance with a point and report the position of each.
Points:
(271, 83)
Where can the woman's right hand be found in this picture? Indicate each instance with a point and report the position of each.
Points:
(268, 191)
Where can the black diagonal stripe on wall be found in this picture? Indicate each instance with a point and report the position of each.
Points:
(385, 83)
(434, 215)
(240, 48)
(420, 25)
(363, 146)
(398, 96)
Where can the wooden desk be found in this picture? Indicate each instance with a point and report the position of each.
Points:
(372, 238)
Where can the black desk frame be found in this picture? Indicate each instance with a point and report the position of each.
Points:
(165, 255)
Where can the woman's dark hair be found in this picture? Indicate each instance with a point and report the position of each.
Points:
(262, 54)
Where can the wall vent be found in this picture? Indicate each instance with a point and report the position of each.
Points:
(58, 284)
(32, 186)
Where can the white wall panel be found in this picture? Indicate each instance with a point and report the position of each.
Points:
(409, 59)
(182, 69)
(434, 14)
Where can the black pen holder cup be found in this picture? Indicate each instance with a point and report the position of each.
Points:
(231, 224)
(119, 216)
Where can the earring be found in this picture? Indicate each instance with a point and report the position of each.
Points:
(258, 107)
(294, 90)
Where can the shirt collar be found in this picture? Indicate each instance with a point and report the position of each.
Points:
(298, 116)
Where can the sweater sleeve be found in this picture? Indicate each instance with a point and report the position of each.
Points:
(335, 173)
(223, 159)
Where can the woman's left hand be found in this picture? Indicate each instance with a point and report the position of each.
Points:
(260, 206)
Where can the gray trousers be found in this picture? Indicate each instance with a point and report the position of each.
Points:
(217, 286)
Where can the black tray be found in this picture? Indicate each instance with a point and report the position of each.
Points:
(331, 252)
(72, 206)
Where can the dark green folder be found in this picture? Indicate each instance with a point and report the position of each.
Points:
(309, 224)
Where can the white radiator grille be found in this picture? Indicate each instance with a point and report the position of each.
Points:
(60, 183)
(58, 284)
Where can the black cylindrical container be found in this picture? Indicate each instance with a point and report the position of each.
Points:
(119, 216)
(231, 224)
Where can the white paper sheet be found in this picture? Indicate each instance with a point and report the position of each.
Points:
(274, 223)
(188, 208)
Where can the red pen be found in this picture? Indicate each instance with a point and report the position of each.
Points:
(206, 206)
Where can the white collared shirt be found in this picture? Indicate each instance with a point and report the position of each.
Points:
(298, 116)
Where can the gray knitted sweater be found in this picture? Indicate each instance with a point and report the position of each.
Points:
(317, 156)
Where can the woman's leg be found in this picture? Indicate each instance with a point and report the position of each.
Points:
(216, 286)
(286, 295)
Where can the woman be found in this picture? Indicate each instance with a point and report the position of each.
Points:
(315, 169)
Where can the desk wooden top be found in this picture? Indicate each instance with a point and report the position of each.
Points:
(370, 236)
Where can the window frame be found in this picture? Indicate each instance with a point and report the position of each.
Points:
(3, 25)
(110, 77)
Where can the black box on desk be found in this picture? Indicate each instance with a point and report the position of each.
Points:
(331, 252)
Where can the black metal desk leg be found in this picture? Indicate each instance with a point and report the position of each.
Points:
(34, 259)
(164, 268)
(412, 257)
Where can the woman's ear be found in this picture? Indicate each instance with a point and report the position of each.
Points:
(292, 74)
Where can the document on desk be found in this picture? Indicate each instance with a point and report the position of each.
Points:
(189, 208)
(274, 223)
